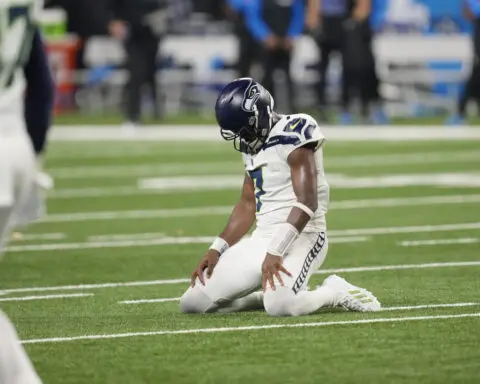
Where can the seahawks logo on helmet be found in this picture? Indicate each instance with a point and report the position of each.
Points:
(251, 97)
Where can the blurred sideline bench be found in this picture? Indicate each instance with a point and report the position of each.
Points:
(402, 61)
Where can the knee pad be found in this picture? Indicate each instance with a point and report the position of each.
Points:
(279, 302)
(194, 300)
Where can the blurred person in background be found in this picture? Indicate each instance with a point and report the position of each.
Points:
(345, 26)
(324, 22)
(139, 25)
(248, 47)
(84, 19)
(275, 24)
(360, 63)
(472, 87)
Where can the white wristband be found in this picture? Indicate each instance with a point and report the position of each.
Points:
(305, 209)
(282, 240)
(219, 245)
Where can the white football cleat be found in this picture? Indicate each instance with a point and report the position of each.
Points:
(351, 297)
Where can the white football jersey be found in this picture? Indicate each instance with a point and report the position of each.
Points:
(17, 18)
(270, 172)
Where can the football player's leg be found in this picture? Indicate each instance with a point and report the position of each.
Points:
(7, 195)
(15, 366)
(293, 299)
(233, 283)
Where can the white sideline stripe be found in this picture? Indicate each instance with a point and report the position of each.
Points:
(144, 243)
(129, 150)
(111, 244)
(399, 267)
(210, 133)
(400, 159)
(334, 237)
(143, 170)
(187, 280)
(148, 301)
(149, 169)
(418, 243)
(137, 214)
(223, 210)
(430, 306)
(45, 297)
(127, 236)
(204, 183)
(410, 229)
(187, 184)
(41, 236)
(386, 309)
(250, 328)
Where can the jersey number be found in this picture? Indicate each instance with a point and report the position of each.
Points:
(257, 177)
(15, 41)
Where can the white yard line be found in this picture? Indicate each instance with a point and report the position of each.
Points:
(225, 210)
(419, 243)
(110, 244)
(336, 236)
(187, 184)
(209, 133)
(144, 283)
(430, 306)
(332, 162)
(250, 328)
(132, 150)
(45, 297)
(408, 229)
(127, 236)
(69, 193)
(40, 236)
(144, 242)
(136, 214)
(135, 171)
(400, 159)
(149, 301)
(399, 267)
(386, 309)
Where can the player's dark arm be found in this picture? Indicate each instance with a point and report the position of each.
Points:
(241, 220)
(243, 214)
(362, 9)
(40, 94)
(303, 171)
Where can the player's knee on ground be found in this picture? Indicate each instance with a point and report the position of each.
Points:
(194, 300)
(281, 302)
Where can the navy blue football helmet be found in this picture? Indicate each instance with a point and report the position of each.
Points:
(244, 112)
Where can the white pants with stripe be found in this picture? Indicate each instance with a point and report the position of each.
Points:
(238, 274)
(19, 189)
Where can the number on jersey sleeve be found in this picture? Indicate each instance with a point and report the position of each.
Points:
(16, 32)
(257, 177)
(298, 132)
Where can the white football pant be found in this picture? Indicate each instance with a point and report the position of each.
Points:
(238, 275)
(17, 180)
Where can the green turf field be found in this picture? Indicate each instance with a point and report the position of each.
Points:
(74, 284)
(108, 118)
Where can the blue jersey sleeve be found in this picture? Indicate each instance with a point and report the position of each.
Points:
(40, 93)
(254, 21)
(236, 5)
(298, 19)
(474, 6)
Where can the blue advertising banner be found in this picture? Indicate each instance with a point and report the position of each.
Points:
(420, 16)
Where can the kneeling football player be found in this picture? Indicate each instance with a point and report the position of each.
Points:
(285, 193)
